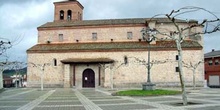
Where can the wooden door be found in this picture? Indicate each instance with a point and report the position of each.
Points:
(88, 78)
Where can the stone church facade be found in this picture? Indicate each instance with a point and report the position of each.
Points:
(102, 53)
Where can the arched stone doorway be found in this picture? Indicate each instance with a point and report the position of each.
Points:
(88, 78)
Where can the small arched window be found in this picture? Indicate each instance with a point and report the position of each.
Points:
(54, 62)
(69, 15)
(61, 15)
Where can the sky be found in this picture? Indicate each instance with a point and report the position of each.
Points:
(20, 18)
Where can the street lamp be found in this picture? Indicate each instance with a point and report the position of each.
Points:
(148, 36)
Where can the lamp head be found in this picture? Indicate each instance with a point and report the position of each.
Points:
(148, 34)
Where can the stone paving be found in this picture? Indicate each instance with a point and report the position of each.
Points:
(101, 99)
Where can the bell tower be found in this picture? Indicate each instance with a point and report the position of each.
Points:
(70, 10)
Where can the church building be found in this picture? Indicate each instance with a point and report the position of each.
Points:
(76, 53)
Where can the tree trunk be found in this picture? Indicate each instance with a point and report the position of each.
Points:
(194, 79)
(42, 78)
(1, 79)
(16, 79)
(181, 75)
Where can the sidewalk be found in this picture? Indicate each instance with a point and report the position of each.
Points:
(100, 99)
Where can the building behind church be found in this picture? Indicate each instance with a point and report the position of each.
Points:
(102, 53)
(212, 68)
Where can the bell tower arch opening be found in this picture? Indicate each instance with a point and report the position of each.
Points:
(69, 15)
(61, 15)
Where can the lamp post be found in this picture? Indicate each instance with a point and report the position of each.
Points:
(148, 36)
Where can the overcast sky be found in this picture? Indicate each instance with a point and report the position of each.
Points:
(20, 18)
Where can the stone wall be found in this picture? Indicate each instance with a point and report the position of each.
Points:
(132, 73)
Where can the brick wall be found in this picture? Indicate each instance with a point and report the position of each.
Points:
(75, 7)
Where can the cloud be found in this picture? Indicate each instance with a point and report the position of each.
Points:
(101, 9)
(21, 22)
(3, 2)
(20, 18)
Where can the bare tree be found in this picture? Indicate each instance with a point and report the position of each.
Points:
(9, 65)
(4, 65)
(145, 63)
(113, 68)
(41, 67)
(17, 66)
(142, 61)
(180, 33)
(4, 45)
(193, 67)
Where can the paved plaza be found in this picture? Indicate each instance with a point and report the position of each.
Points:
(101, 99)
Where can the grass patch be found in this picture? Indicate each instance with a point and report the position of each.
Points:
(156, 92)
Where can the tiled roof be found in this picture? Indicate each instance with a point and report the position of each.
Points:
(212, 54)
(109, 46)
(106, 22)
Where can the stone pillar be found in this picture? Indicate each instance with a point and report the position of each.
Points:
(66, 76)
(205, 84)
(112, 76)
(102, 75)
